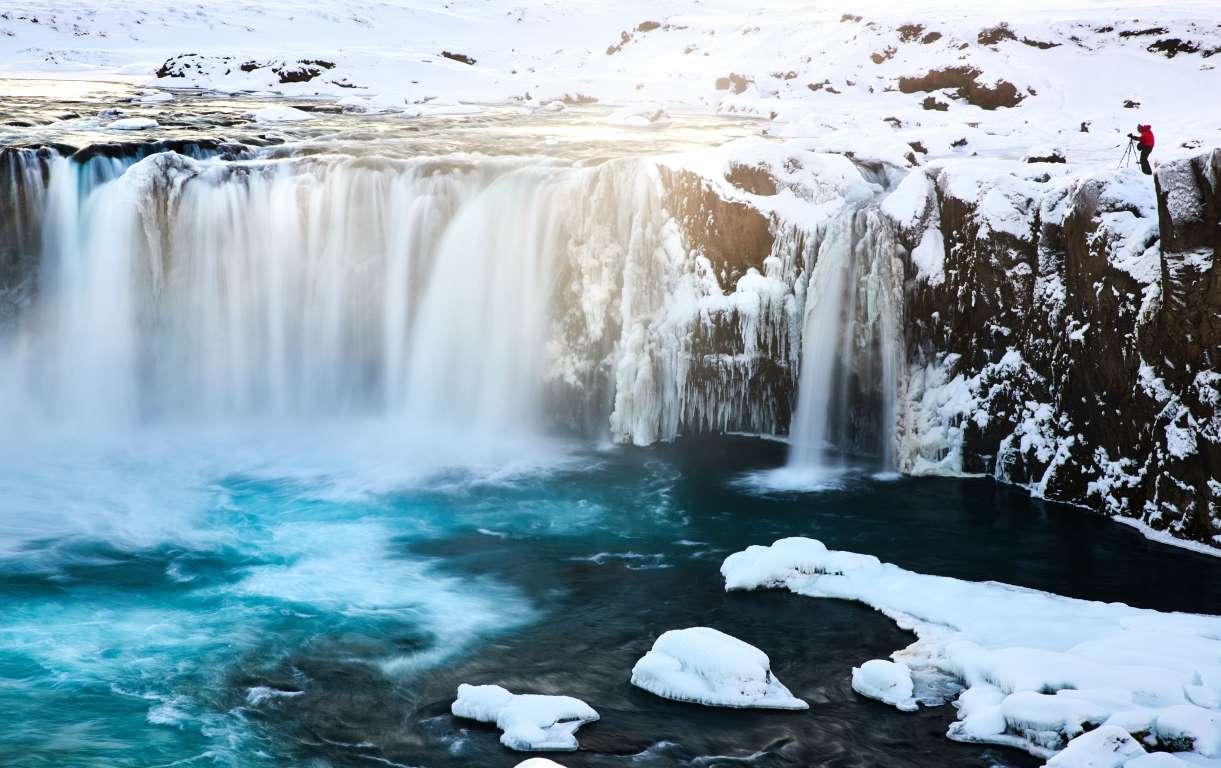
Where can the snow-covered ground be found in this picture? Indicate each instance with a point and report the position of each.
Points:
(1082, 73)
(1040, 672)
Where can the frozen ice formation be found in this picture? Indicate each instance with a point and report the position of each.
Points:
(530, 722)
(1040, 671)
(886, 681)
(705, 666)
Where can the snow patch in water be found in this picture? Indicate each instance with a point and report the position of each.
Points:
(1039, 669)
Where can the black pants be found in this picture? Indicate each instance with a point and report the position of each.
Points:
(1144, 158)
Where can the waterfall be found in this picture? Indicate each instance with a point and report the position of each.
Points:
(472, 295)
(852, 345)
(467, 295)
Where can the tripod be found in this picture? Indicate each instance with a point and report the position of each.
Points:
(1127, 153)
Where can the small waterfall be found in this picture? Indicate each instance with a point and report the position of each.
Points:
(852, 345)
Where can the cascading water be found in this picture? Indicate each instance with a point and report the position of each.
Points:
(852, 345)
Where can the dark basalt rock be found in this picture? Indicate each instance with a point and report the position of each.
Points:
(1112, 399)
(461, 58)
(964, 80)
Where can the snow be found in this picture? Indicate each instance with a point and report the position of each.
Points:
(929, 257)
(705, 666)
(530, 722)
(837, 78)
(1039, 669)
(885, 681)
(278, 114)
(538, 762)
(132, 124)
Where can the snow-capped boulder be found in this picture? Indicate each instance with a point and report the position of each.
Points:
(132, 124)
(705, 666)
(1045, 153)
(885, 681)
(530, 722)
(1106, 747)
(640, 116)
(538, 762)
(277, 114)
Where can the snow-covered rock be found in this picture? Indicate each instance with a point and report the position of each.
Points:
(538, 762)
(1105, 747)
(277, 114)
(1187, 727)
(706, 666)
(1039, 670)
(886, 681)
(132, 124)
(530, 722)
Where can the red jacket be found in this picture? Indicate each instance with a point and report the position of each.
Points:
(1146, 135)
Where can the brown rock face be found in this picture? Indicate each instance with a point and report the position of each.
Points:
(735, 238)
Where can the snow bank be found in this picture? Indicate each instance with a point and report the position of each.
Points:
(885, 681)
(705, 666)
(133, 124)
(1039, 670)
(531, 722)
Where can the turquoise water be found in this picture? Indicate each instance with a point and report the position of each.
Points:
(313, 598)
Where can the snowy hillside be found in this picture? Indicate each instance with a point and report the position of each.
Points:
(1038, 73)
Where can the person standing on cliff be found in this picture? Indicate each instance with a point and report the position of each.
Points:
(1144, 142)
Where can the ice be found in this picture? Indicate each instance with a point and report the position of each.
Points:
(706, 666)
(1038, 669)
(885, 681)
(1104, 747)
(530, 722)
(132, 124)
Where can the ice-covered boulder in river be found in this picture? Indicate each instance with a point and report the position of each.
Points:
(705, 666)
(885, 681)
(530, 722)
(132, 124)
